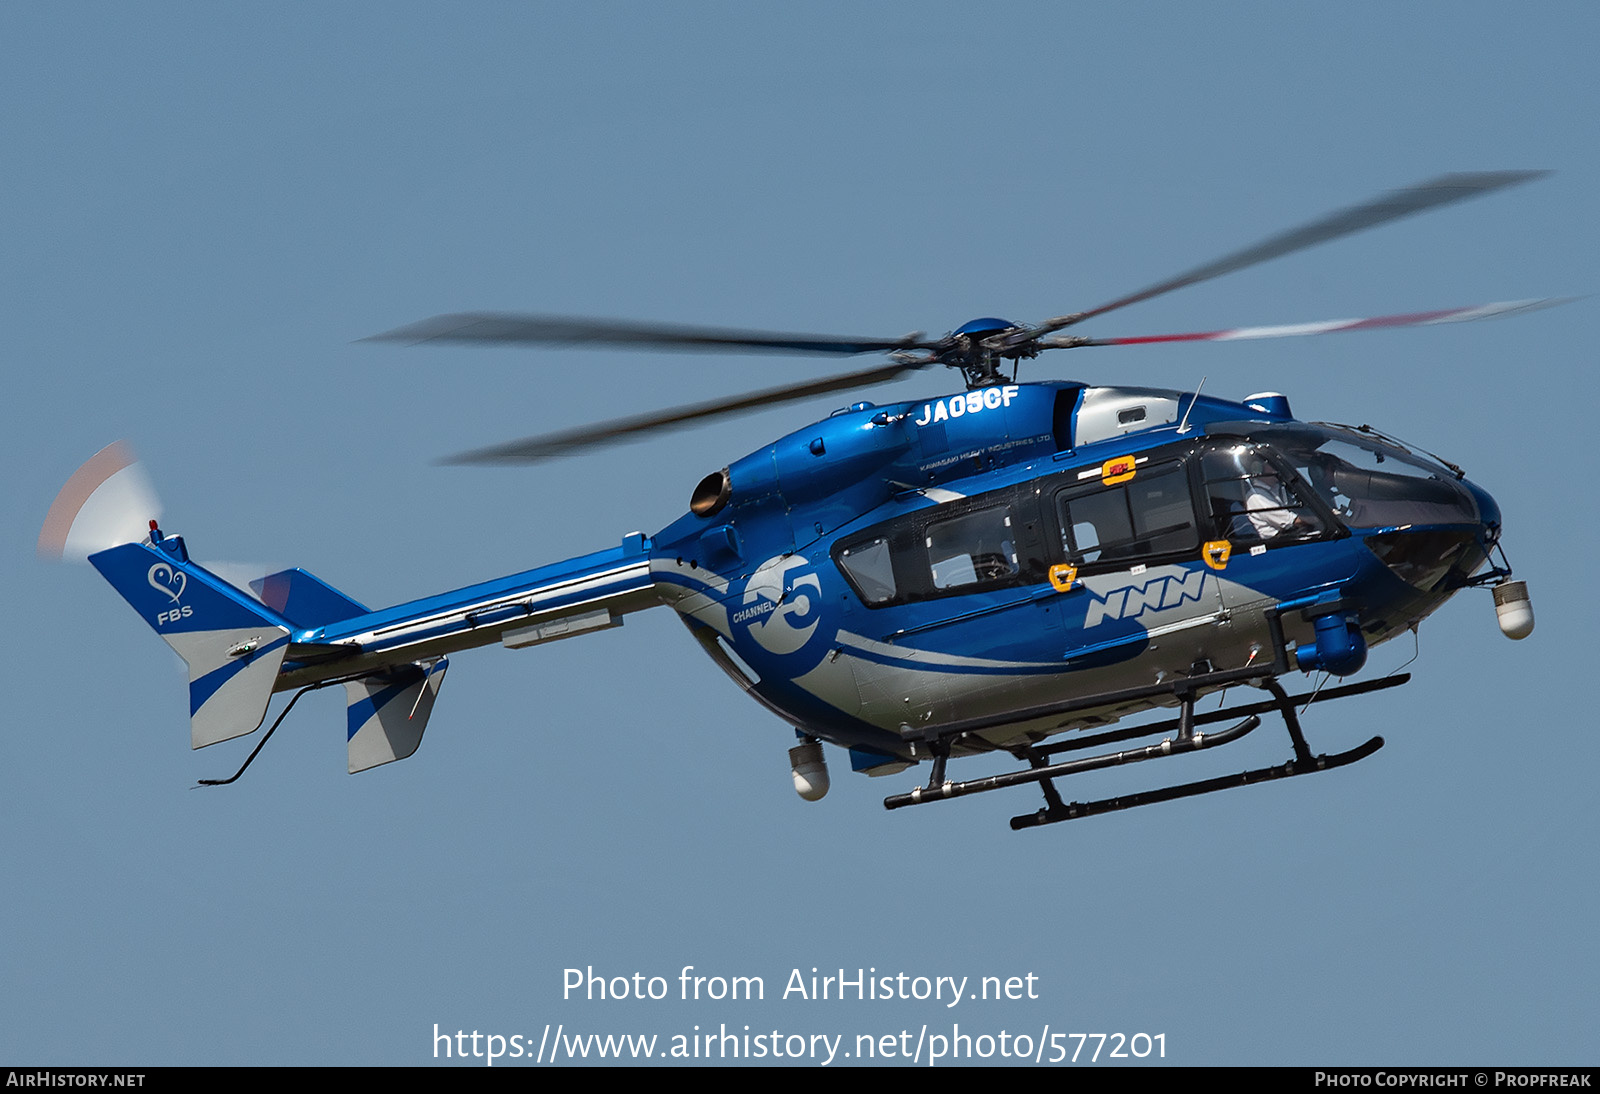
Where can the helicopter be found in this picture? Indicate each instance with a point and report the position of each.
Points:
(1014, 568)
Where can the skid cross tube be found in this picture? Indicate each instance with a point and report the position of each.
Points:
(1052, 814)
(1266, 706)
(1188, 739)
(1195, 742)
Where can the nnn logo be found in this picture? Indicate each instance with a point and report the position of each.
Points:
(1156, 595)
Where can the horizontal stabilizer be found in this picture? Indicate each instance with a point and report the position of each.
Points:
(388, 712)
(305, 599)
(232, 644)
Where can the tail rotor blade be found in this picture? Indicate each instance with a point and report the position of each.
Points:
(107, 502)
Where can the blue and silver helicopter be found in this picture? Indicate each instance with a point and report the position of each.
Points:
(1016, 567)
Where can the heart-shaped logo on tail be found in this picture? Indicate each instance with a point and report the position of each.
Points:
(168, 580)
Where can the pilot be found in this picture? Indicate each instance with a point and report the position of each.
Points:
(1270, 507)
(1267, 509)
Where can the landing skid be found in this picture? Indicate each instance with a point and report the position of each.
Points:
(1044, 772)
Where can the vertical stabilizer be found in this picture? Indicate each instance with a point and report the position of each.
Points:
(232, 644)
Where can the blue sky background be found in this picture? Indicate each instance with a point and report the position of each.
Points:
(204, 205)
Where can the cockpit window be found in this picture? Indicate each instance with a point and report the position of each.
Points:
(1371, 484)
(1251, 500)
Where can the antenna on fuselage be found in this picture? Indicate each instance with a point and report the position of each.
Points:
(1184, 425)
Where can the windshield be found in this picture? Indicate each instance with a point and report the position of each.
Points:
(1369, 482)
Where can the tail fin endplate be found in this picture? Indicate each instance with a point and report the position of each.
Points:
(387, 713)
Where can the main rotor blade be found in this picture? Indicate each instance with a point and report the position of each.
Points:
(1329, 326)
(566, 442)
(577, 331)
(1386, 207)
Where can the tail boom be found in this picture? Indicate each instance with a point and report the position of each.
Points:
(241, 650)
(562, 600)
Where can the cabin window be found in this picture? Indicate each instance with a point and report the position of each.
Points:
(975, 545)
(870, 569)
(973, 549)
(1151, 514)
